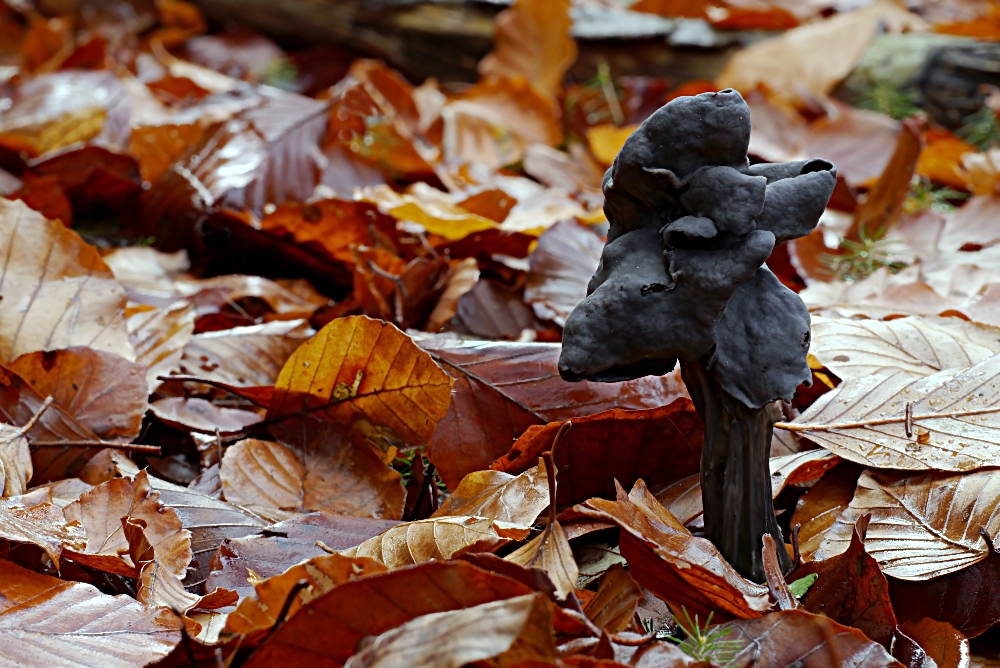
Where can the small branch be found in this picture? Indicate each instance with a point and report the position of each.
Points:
(130, 447)
(797, 555)
(791, 426)
(989, 540)
(33, 421)
(909, 419)
(326, 548)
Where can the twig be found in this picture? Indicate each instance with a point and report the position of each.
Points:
(791, 426)
(21, 431)
(286, 606)
(131, 447)
(989, 540)
(326, 548)
(909, 419)
(796, 554)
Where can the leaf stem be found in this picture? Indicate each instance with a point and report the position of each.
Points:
(909, 418)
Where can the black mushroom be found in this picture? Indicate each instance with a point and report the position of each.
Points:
(682, 277)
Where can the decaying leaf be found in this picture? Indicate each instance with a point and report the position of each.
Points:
(617, 597)
(508, 498)
(924, 525)
(33, 518)
(15, 461)
(252, 355)
(818, 509)
(550, 551)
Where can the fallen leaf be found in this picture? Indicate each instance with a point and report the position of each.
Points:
(159, 336)
(942, 156)
(363, 373)
(664, 557)
(252, 355)
(616, 600)
(532, 40)
(517, 499)
(509, 630)
(431, 210)
(202, 416)
(942, 643)
(32, 518)
(924, 525)
(851, 590)
(44, 620)
(819, 507)
(316, 468)
(561, 265)
(332, 625)
(951, 426)
(601, 451)
(795, 636)
(492, 311)
(862, 144)
(58, 292)
(102, 391)
(551, 552)
(15, 461)
(156, 585)
(101, 510)
(464, 276)
(921, 345)
(607, 140)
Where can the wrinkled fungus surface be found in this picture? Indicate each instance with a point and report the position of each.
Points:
(682, 275)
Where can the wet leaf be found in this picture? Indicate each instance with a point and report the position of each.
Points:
(952, 425)
(505, 631)
(365, 374)
(315, 469)
(664, 557)
(616, 600)
(921, 345)
(58, 292)
(44, 620)
(101, 510)
(32, 518)
(517, 499)
(156, 585)
(657, 445)
(818, 509)
(561, 266)
(942, 643)
(924, 525)
(794, 636)
(102, 391)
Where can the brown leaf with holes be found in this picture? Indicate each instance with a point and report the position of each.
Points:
(616, 600)
(32, 518)
(370, 378)
(316, 468)
(57, 290)
(102, 391)
(334, 624)
(518, 499)
(101, 510)
(250, 355)
(44, 620)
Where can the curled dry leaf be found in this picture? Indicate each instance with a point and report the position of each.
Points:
(250, 355)
(550, 551)
(318, 469)
(921, 345)
(851, 589)
(464, 276)
(954, 422)
(102, 391)
(797, 637)
(156, 585)
(665, 558)
(367, 376)
(516, 629)
(259, 611)
(101, 510)
(657, 445)
(57, 291)
(922, 526)
(616, 600)
(333, 624)
(44, 620)
(508, 498)
(33, 518)
(561, 265)
(440, 538)
(501, 389)
(533, 41)
(159, 335)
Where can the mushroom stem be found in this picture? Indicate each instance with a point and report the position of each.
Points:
(735, 477)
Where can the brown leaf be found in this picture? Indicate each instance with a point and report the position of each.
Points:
(501, 389)
(679, 568)
(45, 620)
(774, 576)
(58, 292)
(101, 510)
(791, 637)
(157, 147)
(250, 355)
(159, 336)
(616, 600)
(102, 391)
(860, 142)
(15, 461)
(464, 275)
(851, 590)
(506, 631)
(922, 526)
(440, 538)
(316, 468)
(156, 585)
(500, 496)
(369, 377)
(532, 40)
(259, 611)
(332, 625)
(285, 544)
(942, 643)
(658, 445)
(562, 263)
(202, 416)
(492, 311)
(550, 551)
(32, 518)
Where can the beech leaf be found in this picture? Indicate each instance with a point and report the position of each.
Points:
(33, 518)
